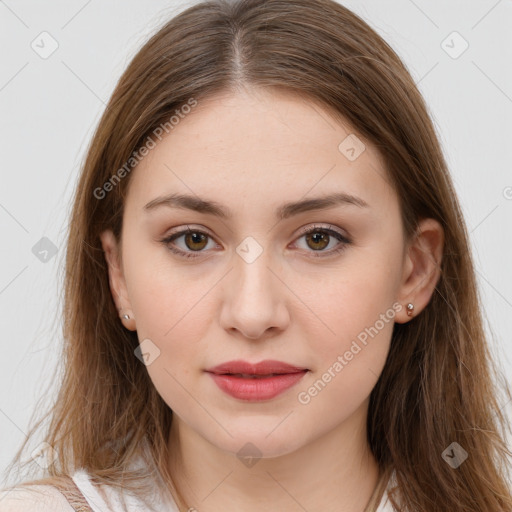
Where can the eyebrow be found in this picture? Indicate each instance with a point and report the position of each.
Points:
(285, 211)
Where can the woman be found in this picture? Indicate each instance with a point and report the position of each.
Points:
(270, 297)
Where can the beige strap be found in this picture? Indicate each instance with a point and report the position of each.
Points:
(73, 494)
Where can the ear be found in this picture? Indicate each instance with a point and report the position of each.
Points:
(116, 278)
(422, 268)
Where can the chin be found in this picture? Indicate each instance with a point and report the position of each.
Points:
(257, 442)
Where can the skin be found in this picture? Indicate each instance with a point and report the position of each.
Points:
(253, 150)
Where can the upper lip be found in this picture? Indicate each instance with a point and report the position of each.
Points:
(266, 367)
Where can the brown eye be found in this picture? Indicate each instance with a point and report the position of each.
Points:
(318, 239)
(195, 240)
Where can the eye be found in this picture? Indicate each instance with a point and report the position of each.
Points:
(194, 239)
(316, 237)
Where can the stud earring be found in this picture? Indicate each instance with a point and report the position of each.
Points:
(125, 316)
(410, 308)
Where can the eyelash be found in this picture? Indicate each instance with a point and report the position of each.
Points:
(306, 231)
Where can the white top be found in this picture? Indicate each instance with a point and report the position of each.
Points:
(45, 498)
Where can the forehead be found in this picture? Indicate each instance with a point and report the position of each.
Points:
(263, 147)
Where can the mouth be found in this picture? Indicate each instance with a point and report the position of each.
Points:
(267, 368)
(252, 376)
(256, 382)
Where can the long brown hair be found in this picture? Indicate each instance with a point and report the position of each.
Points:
(437, 387)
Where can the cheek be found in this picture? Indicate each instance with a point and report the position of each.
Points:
(354, 308)
(350, 355)
(161, 294)
(170, 313)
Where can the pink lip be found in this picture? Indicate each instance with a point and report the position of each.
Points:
(275, 378)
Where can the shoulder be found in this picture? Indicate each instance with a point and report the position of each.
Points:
(391, 487)
(384, 505)
(33, 498)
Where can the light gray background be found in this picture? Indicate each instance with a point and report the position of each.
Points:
(49, 108)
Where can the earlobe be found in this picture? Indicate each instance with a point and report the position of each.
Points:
(422, 269)
(116, 279)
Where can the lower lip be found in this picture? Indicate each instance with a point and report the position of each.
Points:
(255, 390)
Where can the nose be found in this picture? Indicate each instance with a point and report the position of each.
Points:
(254, 298)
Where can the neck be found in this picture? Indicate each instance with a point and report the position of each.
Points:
(333, 472)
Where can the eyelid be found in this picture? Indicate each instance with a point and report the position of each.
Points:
(329, 228)
(189, 227)
(302, 230)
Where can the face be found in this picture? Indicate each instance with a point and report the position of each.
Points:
(314, 288)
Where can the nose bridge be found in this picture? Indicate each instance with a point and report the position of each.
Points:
(252, 302)
(252, 269)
